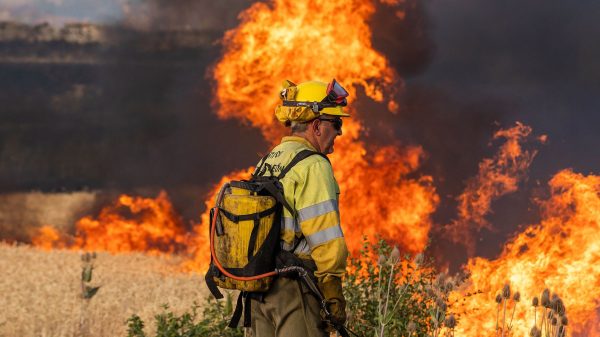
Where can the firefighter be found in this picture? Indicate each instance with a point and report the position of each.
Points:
(314, 112)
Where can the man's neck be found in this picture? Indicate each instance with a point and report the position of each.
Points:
(309, 137)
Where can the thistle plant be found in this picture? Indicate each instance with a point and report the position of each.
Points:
(498, 303)
(398, 295)
(553, 319)
(516, 299)
(87, 290)
(505, 297)
(451, 324)
(393, 260)
(504, 300)
(535, 302)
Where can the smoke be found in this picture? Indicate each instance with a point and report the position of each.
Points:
(182, 14)
(403, 33)
(128, 112)
(140, 15)
(452, 126)
(59, 12)
(526, 62)
(471, 68)
(516, 42)
(20, 212)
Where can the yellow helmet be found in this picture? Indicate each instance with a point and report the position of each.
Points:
(309, 100)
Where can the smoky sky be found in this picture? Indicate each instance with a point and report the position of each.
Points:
(487, 64)
(183, 14)
(529, 61)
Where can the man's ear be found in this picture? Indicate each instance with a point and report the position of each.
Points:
(316, 125)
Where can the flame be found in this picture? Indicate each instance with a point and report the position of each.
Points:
(321, 40)
(497, 176)
(48, 238)
(299, 40)
(130, 224)
(561, 253)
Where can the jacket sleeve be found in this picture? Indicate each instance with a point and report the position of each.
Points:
(316, 202)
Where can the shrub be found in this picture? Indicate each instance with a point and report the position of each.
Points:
(215, 317)
(397, 296)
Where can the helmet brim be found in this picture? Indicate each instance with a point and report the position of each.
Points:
(335, 111)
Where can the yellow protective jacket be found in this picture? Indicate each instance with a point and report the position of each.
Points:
(312, 191)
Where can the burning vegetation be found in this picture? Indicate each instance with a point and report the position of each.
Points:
(130, 224)
(560, 253)
(497, 176)
(382, 193)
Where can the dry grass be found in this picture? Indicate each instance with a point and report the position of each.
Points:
(40, 291)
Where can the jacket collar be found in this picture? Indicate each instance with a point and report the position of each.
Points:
(299, 140)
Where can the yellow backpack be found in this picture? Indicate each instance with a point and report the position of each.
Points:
(245, 233)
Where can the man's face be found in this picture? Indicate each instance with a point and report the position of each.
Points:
(329, 128)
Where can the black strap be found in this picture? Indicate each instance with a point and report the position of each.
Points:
(298, 158)
(259, 167)
(247, 312)
(243, 305)
(260, 171)
(245, 217)
(253, 237)
(210, 283)
(237, 313)
(275, 192)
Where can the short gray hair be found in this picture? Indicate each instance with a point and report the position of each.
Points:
(298, 127)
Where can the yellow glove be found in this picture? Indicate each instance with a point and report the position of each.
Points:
(334, 299)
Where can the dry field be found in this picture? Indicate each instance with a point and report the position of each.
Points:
(40, 292)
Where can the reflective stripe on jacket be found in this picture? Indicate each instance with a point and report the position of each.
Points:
(312, 191)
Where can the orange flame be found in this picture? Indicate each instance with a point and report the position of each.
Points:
(561, 253)
(297, 40)
(497, 176)
(320, 40)
(48, 238)
(130, 224)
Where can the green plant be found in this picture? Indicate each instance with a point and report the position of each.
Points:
(397, 296)
(87, 268)
(215, 317)
(87, 290)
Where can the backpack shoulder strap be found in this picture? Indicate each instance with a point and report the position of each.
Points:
(271, 188)
(259, 167)
(298, 158)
